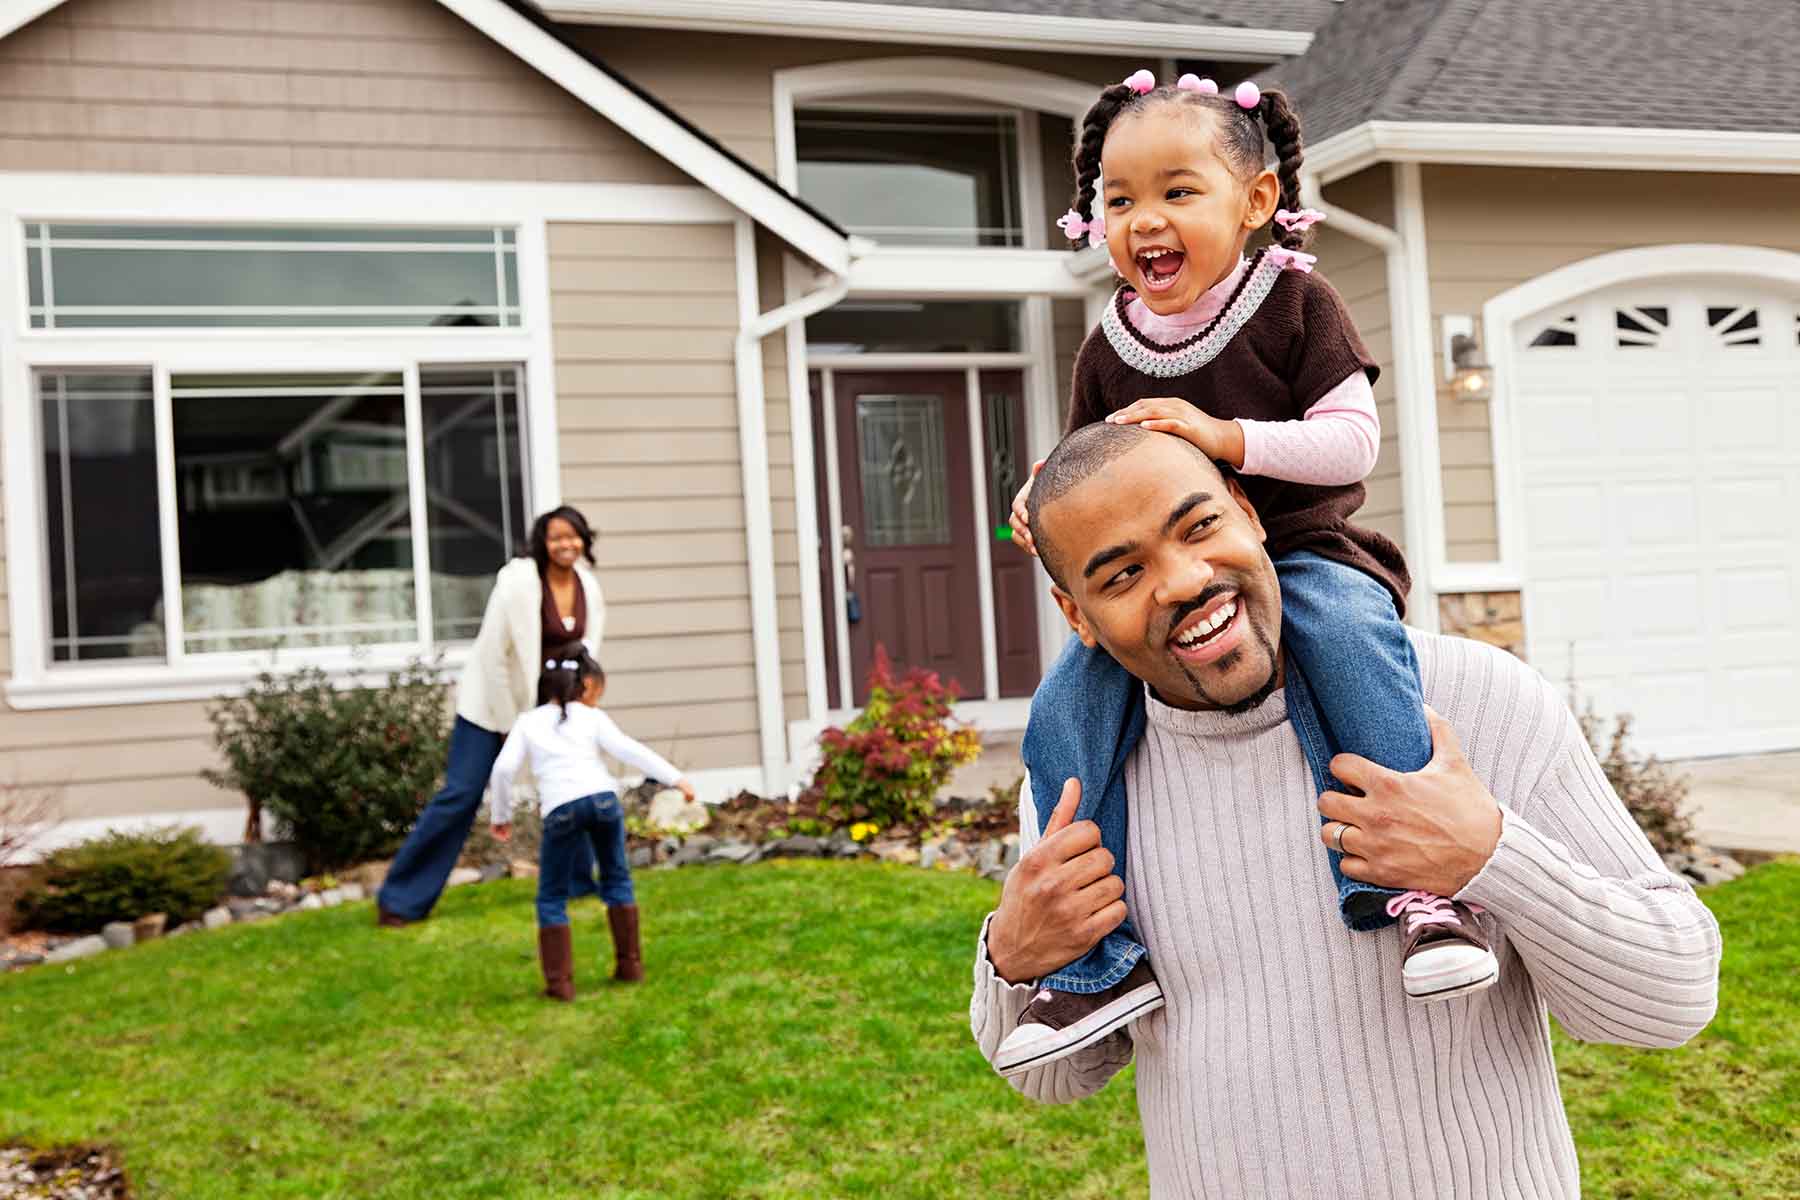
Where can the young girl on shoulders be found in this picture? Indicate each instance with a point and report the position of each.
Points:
(578, 798)
(1254, 360)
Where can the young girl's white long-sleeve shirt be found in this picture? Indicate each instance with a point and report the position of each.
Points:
(565, 758)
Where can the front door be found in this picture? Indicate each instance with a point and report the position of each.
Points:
(912, 575)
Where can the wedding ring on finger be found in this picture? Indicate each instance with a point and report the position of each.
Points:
(1337, 839)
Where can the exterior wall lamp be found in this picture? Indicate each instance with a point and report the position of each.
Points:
(1466, 369)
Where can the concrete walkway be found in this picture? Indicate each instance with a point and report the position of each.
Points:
(1750, 802)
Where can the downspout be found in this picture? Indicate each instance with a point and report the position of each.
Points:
(1415, 390)
(753, 452)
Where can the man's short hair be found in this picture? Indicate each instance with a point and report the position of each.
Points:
(1077, 457)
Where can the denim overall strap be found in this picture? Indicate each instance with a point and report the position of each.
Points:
(1087, 716)
(1358, 903)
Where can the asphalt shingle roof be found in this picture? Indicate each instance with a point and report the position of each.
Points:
(1665, 64)
(1301, 15)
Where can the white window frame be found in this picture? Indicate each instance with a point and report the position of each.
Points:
(77, 198)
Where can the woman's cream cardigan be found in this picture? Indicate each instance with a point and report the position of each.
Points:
(500, 679)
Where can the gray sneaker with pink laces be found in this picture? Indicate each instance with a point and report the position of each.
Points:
(1443, 953)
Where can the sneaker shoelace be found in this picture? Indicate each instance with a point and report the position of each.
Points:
(1426, 908)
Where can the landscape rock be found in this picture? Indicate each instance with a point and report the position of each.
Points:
(667, 846)
(669, 810)
(371, 875)
(331, 897)
(701, 842)
(85, 947)
(184, 930)
(842, 845)
(216, 918)
(797, 846)
(257, 864)
(1677, 861)
(118, 935)
(523, 868)
(640, 857)
(1723, 864)
(249, 874)
(1708, 871)
(352, 892)
(25, 958)
(957, 854)
(282, 890)
(930, 854)
(734, 851)
(493, 871)
(898, 850)
(997, 874)
(687, 856)
(252, 915)
(1010, 857)
(149, 927)
(463, 876)
(310, 902)
(990, 857)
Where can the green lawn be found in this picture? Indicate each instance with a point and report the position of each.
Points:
(804, 1033)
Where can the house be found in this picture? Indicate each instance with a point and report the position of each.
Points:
(309, 305)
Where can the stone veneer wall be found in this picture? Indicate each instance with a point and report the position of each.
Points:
(1497, 618)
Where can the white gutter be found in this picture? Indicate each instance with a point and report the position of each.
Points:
(859, 22)
(753, 452)
(1415, 384)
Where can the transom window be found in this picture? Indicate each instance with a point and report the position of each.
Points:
(294, 507)
(158, 276)
(913, 178)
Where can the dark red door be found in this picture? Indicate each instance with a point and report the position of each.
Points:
(909, 516)
(1015, 574)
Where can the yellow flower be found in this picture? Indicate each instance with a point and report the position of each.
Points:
(862, 831)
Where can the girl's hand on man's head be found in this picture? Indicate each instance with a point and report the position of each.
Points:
(1170, 414)
(1021, 518)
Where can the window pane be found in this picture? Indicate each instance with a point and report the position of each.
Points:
(158, 276)
(474, 488)
(105, 593)
(901, 326)
(913, 178)
(294, 514)
(905, 481)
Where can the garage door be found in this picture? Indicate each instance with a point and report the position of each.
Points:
(1658, 440)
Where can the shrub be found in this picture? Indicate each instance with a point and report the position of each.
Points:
(346, 771)
(1655, 794)
(26, 813)
(123, 876)
(887, 765)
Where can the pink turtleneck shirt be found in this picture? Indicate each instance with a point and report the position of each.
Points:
(1337, 441)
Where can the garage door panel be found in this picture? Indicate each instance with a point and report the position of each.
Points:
(1659, 471)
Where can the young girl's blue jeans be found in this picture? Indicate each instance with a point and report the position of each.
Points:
(1351, 685)
(593, 821)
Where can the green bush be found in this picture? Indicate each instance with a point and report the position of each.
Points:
(887, 765)
(346, 771)
(123, 876)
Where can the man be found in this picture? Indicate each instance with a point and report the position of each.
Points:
(1285, 1061)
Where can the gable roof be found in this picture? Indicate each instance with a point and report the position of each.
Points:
(523, 30)
(1241, 30)
(1631, 64)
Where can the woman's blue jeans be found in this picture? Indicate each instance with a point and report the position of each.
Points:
(593, 825)
(416, 878)
(1351, 684)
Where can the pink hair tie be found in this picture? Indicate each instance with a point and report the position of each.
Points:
(1292, 260)
(1140, 81)
(1193, 83)
(1298, 222)
(1248, 95)
(1075, 227)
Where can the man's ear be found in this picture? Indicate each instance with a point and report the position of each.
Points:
(1264, 195)
(1243, 502)
(1073, 616)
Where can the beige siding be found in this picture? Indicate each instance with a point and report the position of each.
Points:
(1359, 272)
(338, 88)
(1493, 228)
(649, 435)
(725, 83)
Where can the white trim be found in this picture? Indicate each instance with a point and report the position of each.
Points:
(984, 558)
(1451, 579)
(1421, 470)
(806, 505)
(904, 361)
(834, 500)
(1042, 431)
(972, 272)
(989, 716)
(1566, 283)
(1574, 147)
(937, 26)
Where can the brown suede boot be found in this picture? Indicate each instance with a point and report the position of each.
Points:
(556, 952)
(629, 961)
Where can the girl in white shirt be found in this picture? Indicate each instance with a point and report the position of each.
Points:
(563, 738)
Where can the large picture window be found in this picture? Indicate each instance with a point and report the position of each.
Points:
(292, 505)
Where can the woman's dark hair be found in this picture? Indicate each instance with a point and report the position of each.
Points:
(539, 541)
(1240, 141)
(559, 684)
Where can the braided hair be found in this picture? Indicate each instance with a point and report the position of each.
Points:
(565, 676)
(1240, 141)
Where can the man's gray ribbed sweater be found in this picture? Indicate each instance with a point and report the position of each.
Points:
(1288, 1062)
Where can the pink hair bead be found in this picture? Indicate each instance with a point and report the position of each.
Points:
(1248, 95)
(1140, 81)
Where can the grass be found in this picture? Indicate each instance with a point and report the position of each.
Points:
(804, 1033)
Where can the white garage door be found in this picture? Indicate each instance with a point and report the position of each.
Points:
(1658, 442)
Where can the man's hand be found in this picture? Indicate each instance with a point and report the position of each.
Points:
(1213, 437)
(1433, 829)
(503, 832)
(1059, 901)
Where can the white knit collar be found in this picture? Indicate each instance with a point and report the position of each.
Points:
(1214, 723)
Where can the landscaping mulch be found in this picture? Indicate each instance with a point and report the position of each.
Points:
(64, 1173)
